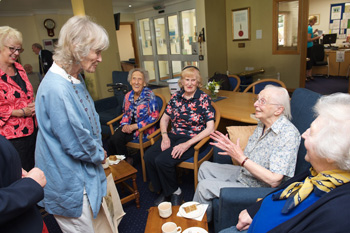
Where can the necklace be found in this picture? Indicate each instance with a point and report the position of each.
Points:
(95, 131)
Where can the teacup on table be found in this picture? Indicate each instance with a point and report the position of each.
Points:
(165, 209)
(170, 227)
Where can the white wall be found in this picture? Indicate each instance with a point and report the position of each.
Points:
(322, 8)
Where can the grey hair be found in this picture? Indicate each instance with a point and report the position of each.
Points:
(78, 36)
(142, 71)
(333, 139)
(8, 33)
(282, 98)
(37, 45)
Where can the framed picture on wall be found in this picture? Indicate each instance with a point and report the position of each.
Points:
(241, 24)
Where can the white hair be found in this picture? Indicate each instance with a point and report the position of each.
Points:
(281, 98)
(78, 36)
(333, 139)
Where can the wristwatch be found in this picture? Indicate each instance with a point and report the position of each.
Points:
(49, 24)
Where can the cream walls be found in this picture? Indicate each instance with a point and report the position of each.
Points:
(216, 36)
(258, 52)
(33, 31)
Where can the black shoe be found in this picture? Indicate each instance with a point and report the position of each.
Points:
(160, 199)
(176, 199)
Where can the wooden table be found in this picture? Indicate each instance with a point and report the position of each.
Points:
(237, 106)
(155, 222)
(122, 172)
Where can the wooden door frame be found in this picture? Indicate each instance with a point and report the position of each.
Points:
(304, 22)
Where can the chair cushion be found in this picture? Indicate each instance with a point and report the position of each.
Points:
(108, 115)
(137, 140)
(320, 63)
(241, 132)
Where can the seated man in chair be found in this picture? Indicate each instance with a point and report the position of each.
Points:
(269, 157)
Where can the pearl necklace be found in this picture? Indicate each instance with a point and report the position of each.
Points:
(95, 131)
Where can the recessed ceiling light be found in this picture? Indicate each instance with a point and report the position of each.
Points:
(129, 5)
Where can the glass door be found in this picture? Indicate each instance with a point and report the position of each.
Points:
(175, 45)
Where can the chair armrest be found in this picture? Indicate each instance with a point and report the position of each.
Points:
(201, 143)
(232, 201)
(111, 122)
(154, 136)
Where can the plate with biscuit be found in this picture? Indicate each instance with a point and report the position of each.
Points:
(115, 159)
(191, 209)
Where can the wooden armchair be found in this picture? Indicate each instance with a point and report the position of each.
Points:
(198, 157)
(139, 143)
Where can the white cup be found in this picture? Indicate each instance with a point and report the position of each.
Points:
(170, 227)
(165, 209)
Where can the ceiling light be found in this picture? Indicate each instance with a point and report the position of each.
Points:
(129, 5)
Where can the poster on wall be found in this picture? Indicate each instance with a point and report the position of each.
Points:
(241, 24)
(336, 12)
(49, 44)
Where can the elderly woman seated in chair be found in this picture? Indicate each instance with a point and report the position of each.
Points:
(269, 157)
(192, 119)
(140, 109)
(316, 200)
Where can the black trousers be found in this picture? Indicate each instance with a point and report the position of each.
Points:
(25, 147)
(310, 55)
(161, 167)
(117, 143)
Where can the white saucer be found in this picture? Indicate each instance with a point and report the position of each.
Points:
(192, 214)
(195, 230)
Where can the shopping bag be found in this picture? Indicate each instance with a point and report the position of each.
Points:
(111, 211)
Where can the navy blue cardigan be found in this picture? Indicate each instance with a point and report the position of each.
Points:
(328, 214)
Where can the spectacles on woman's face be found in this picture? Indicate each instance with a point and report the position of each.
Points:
(13, 50)
(263, 102)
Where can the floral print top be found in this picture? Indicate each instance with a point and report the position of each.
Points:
(144, 111)
(189, 117)
(12, 97)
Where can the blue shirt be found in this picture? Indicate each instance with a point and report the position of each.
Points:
(69, 146)
(269, 215)
(310, 31)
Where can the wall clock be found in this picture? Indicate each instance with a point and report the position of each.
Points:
(49, 24)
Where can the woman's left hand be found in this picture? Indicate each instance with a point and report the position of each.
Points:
(178, 150)
(228, 147)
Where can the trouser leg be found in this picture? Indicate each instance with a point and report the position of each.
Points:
(117, 142)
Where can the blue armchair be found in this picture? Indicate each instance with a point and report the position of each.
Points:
(233, 200)
(111, 107)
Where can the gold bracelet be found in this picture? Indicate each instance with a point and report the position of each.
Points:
(24, 113)
(164, 133)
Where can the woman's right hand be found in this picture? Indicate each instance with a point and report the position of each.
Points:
(165, 142)
(30, 109)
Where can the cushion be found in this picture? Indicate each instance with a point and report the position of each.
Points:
(241, 132)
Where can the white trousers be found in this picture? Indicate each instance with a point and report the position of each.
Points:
(211, 178)
(77, 225)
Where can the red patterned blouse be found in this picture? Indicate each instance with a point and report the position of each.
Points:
(13, 97)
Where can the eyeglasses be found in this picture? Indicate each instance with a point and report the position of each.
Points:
(263, 102)
(13, 50)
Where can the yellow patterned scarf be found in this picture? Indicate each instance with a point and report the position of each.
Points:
(324, 181)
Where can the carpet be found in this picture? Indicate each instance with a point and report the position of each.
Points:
(326, 86)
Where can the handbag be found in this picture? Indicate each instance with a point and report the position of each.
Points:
(111, 211)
